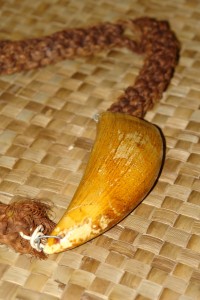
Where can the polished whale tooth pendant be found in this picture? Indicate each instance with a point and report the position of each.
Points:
(124, 164)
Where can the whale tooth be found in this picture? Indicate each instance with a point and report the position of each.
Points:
(124, 164)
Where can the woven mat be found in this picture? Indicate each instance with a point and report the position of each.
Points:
(46, 132)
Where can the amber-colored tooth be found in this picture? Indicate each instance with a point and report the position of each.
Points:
(123, 166)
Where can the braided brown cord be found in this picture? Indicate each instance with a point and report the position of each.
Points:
(155, 40)
(161, 47)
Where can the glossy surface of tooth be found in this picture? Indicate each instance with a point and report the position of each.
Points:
(123, 167)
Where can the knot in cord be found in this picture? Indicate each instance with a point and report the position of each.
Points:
(37, 238)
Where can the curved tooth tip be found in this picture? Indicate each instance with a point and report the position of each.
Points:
(79, 234)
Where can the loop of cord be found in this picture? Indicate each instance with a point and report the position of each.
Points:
(150, 37)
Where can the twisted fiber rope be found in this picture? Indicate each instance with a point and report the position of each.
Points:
(154, 39)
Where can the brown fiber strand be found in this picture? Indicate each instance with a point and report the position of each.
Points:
(154, 39)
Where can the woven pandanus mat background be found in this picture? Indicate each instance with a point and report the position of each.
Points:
(47, 130)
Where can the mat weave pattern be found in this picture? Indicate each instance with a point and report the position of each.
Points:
(47, 130)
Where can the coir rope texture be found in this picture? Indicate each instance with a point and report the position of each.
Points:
(154, 39)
